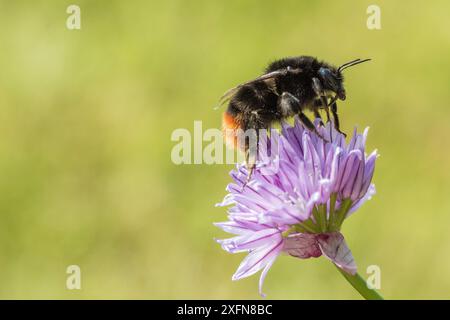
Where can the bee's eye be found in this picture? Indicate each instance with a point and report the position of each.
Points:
(326, 73)
(329, 78)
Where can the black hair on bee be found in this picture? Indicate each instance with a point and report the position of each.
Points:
(288, 87)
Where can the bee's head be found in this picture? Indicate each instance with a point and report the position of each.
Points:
(332, 80)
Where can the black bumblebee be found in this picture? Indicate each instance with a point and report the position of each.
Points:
(289, 87)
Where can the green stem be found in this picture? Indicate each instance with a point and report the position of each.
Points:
(361, 286)
(340, 215)
(332, 214)
(323, 217)
(303, 229)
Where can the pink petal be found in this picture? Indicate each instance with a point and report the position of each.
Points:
(258, 259)
(250, 240)
(239, 228)
(370, 192)
(263, 275)
(302, 245)
(333, 246)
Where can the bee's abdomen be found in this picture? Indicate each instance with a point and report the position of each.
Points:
(255, 98)
(254, 106)
(230, 123)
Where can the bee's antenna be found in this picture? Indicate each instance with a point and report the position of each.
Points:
(348, 63)
(351, 64)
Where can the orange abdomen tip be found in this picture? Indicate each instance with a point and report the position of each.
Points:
(229, 126)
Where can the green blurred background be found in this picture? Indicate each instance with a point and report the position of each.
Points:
(87, 116)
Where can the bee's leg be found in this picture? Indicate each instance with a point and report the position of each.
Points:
(336, 118)
(251, 145)
(328, 114)
(307, 123)
(317, 114)
(250, 163)
(290, 102)
(318, 89)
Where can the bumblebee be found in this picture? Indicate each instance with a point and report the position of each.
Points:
(289, 86)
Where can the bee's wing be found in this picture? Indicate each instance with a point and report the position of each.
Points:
(231, 92)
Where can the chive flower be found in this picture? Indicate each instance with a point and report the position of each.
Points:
(298, 208)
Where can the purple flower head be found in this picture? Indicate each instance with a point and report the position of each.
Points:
(299, 207)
